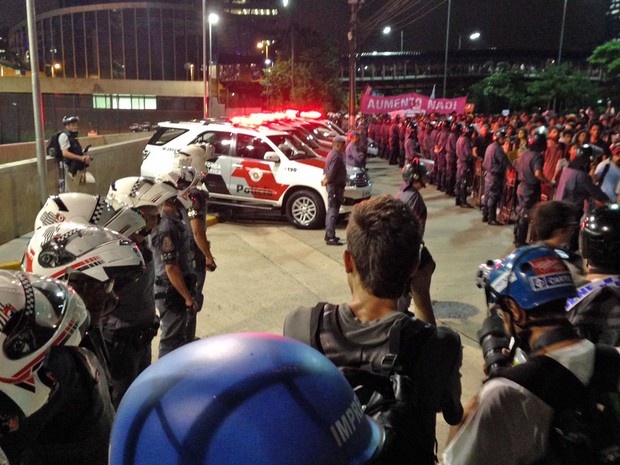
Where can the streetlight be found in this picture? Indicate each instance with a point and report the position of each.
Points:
(212, 19)
(56, 67)
(472, 36)
(388, 29)
(265, 44)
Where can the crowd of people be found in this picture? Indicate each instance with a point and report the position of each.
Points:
(103, 274)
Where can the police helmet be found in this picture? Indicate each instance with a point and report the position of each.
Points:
(532, 276)
(415, 171)
(239, 399)
(37, 313)
(538, 139)
(70, 119)
(184, 179)
(600, 238)
(500, 134)
(80, 207)
(194, 155)
(140, 191)
(69, 247)
(585, 156)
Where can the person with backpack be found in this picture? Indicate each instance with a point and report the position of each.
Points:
(74, 157)
(552, 408)
(405, 371)
(595, 312)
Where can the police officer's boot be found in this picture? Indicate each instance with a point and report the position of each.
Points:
(520, 231)
(492, 211)
(485, 214)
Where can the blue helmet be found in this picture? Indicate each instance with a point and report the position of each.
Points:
(531, 276)
(239, 399)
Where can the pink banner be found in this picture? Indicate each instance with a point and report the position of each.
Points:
(414, 103)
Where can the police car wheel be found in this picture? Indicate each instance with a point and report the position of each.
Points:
(306, 210)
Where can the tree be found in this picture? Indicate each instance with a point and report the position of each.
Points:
(503, 89)
(315, 75)
(607, 55)
(562, 87)
(558, 86)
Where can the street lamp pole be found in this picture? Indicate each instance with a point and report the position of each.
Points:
(445, 62)
(401, 40)
(562, 33)
(204, 59)
(213, 19)
(352, 36)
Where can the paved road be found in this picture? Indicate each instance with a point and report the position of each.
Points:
(267, 267)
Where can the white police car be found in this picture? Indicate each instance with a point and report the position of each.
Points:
(255, 168)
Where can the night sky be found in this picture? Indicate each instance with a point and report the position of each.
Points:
(504, 24)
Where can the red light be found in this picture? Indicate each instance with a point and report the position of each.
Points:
(311, 114)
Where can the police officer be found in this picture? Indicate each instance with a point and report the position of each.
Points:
(73, 154)
(129, 330)
(394, 140)
(451, 159)
(411, 143)
(335, 178)
(464, 165)
(174, 280)
(54, 402)
(495, 164)
(353, 155)
(529, 169)
(440, 154)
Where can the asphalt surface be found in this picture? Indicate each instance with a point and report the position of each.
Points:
(266, 268)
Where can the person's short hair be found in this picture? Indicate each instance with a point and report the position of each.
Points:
(383, 239)
(549, 216)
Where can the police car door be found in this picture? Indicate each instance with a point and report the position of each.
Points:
(253, 177)
(219, 163)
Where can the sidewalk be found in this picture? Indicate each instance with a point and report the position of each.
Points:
(11, 253)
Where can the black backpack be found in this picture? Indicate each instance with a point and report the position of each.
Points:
(53, 147)
(586, 420)
(380, 378)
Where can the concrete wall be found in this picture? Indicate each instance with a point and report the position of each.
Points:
(19, 185)
(22, 151)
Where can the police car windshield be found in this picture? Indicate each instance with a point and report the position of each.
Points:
(292, 147)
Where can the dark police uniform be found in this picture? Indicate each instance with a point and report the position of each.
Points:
(495, 164)
(464, 168)
(528, 192)
(170, 242)
(336, 176)
(451, 162)
(129, 330)
(73, 427)
(198, 212)
(353, 155)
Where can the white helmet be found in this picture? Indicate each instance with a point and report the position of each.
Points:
(184, 179)
(86, 208)
(36, 313)
(194, 155)
(99, 253)
(139, 191)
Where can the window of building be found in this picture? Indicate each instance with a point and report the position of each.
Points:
(125, 102)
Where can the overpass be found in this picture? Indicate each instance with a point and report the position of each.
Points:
(392, 73)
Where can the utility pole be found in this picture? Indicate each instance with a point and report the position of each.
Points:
(445, 62)
(352, 36)
(37, 101)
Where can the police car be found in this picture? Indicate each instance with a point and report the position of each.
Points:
(255, 168)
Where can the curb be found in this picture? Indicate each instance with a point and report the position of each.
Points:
(13, 265)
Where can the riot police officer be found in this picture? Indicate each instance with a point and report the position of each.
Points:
(174, 280)
(464, 165)
(495, 164)
(530, 173)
